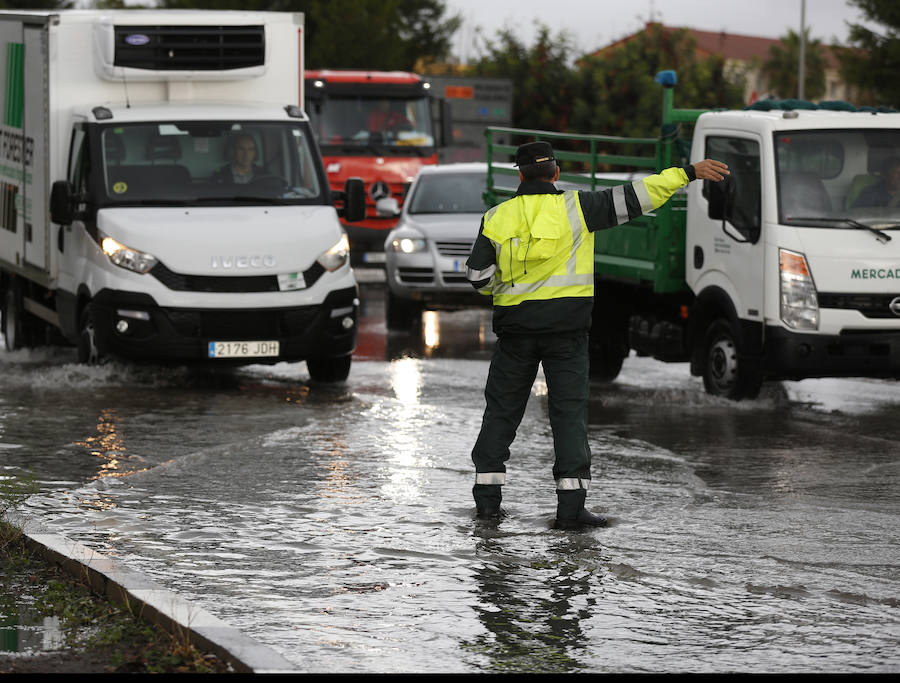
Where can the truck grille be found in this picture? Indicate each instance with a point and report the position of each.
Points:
(242, 324)
(870, 305)
(189, 48)
(227, 284)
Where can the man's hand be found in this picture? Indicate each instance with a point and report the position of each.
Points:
(709, 169)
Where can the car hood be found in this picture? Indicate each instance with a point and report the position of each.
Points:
(439, 226)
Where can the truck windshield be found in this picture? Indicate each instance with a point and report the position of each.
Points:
(361, 123)
(212, 161)
(831, 178)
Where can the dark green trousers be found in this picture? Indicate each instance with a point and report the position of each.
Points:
(510, 379)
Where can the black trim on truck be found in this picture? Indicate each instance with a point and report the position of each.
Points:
(792, 355)
(183, 334)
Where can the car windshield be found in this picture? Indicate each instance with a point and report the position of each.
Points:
(449, 193)
(829, 178)
(384, 122)
(214, 161)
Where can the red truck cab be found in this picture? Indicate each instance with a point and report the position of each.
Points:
(381, 126)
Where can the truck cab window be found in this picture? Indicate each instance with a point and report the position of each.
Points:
(828, 176)
(741, 204)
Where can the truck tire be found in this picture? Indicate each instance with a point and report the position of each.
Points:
(329, 369)
(724, 374)
(606, 358)
(400, 314)
(89, 352)
(18, 327)
(608, 343)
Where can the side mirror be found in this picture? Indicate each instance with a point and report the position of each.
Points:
(354, 200)
(387, 207)
(62, 196)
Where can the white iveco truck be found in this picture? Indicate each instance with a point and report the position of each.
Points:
(161, 196)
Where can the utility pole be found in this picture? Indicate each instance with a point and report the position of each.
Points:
(801, 69)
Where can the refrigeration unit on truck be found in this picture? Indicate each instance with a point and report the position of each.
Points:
(381, 126)
(153, 205)
(788, 270)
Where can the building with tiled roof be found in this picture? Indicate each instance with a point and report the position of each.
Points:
(744, 57)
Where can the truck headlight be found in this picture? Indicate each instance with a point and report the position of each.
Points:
(337, 256)
(126, 257)
(799, 302)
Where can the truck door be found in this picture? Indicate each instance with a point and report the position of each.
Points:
(725, 225)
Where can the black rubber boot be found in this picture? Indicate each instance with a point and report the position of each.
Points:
(487, 500)
(571, 513)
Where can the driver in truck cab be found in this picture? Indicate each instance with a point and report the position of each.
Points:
(241, 153)
(535, 255)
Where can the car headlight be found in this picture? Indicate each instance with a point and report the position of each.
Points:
(337, 256)
(799, 301)
(408, 244)
(126, 257)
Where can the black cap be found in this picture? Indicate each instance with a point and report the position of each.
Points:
(534, 153)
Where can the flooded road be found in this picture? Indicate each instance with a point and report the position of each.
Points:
(336, 525)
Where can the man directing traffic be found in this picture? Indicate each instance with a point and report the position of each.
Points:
(535, 255)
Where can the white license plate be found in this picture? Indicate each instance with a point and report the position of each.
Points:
(242, 349)
(374, 257)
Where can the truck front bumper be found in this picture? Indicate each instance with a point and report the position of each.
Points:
(791, 355)
(131, 325)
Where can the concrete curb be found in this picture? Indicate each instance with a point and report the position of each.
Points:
(154, 604)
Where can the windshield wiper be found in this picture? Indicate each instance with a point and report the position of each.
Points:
(882, 236)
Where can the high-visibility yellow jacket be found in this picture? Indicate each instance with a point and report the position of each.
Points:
(535, 252)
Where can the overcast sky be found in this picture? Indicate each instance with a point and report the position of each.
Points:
(595, 23)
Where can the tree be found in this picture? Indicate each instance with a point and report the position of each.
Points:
(781, 69)
(362, 34)
(617, 94)
(543, 84)
(873, 61)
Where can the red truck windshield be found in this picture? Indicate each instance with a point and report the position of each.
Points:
(364, 122)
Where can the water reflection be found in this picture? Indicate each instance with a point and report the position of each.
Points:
(532, 608)
(439, 334)
(108, 446)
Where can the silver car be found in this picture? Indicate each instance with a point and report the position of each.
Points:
(425, 255)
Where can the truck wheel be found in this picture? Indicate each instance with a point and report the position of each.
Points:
(724, 374)
(18, 331)
(606, 358)
(608, 343)
(89, 352)
(329, 369)
(400, 314)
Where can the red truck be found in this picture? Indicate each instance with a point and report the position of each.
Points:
(381, 126)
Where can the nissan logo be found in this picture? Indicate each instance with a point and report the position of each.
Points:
(379, 190)
(895, 306)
